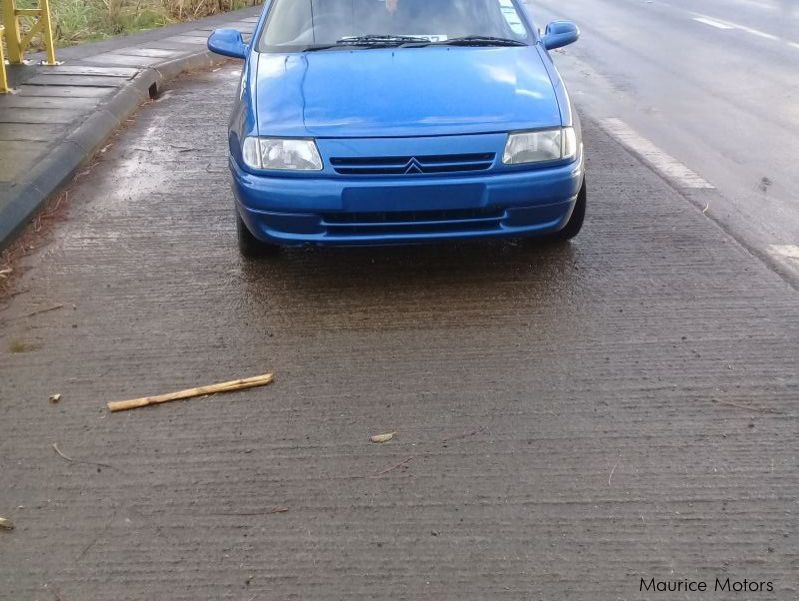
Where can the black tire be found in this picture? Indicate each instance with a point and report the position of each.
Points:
(575, 223)
(251, 247)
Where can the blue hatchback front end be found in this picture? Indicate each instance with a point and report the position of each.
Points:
(397, 190)
(403, 137)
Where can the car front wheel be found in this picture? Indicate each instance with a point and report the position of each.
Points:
(251, 247)
(575, 223)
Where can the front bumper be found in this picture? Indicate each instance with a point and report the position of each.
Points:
(337, 210)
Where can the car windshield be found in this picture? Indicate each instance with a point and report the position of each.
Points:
(298, 25)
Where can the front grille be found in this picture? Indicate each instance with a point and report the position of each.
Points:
(407, 165)
(399, 222)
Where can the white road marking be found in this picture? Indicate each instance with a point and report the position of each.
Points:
(664, 163)
(712, 23)
(784, 251)
(731, 25)
(794, 45)
(768, 5)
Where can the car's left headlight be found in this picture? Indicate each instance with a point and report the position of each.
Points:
(293, 154)
(540, 146)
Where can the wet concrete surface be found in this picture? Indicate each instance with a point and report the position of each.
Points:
(570, 418)
(59, 116)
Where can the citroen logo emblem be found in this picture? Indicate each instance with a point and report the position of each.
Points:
(413, 167)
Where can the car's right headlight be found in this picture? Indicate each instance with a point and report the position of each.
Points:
(540, 146)
(290, 154)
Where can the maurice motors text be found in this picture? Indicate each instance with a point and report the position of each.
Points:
(726, 585)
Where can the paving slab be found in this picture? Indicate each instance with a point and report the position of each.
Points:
(13, 164)
(148, 52)
(40, 115)
(569, 418)
(23, 132)
(95, 81)
(81, 91)
(184, 47)
(188, 39)
(113, 58)
(17, 101)
(88, 70)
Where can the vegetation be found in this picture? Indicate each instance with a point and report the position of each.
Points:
(78, 21)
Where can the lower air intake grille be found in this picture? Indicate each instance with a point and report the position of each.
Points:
(398, 222)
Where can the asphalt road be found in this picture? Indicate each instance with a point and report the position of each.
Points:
(712, 83)
(570, 418)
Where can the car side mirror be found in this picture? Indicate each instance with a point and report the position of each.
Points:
(227, 42)
(559, 34)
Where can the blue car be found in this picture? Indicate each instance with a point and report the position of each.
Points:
(376, 122)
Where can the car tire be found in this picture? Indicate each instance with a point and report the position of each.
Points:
(575, 223)
(251, 247)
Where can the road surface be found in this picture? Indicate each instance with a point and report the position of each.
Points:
(570, 419)
(713, 84)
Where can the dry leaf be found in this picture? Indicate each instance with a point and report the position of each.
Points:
(6, 524)
(382, 437)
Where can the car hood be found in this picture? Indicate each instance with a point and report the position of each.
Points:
(403, 92)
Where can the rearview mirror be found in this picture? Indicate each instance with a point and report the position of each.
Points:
(559, 34)
(227, 42)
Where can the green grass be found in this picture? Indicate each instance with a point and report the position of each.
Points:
(76, 21)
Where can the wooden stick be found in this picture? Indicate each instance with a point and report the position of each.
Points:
(192, 392)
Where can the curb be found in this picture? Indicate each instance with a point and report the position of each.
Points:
(64, 160)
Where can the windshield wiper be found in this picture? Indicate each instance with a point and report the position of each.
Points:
(386, 41)
(370, 41)
(381, 39)
(478, 40)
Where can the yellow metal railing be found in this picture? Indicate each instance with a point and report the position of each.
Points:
(4, 89)
(18, 40)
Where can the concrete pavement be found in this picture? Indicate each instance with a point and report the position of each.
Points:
(570, 418)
